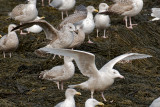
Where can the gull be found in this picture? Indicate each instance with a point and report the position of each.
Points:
(63, 5)
(9, 42)
(102, 21)
(93, 103)
(99, 80)
(155, 13)
(61, 73)
(25, 12)
(86, 20)
(69, 101)
(62, 38)
(35, 28)
(127, 8)
(43, 2)
(155, 103)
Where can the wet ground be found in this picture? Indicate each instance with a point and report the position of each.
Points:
(19, 82)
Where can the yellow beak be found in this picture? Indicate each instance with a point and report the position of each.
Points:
(42, 17)
(0, 36)
(101, 104)
(95, 10)
(78, 93)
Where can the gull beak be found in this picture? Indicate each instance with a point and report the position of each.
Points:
(122, 77)
(78, 93)
(42, 17)
(96, 10)
(101, 104)
(0, 36)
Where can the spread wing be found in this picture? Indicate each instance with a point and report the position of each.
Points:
(124, 57)
(50, 31)
(56, 3)
(84, 60)
(155, 12)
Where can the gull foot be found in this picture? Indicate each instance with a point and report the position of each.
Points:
(90, 41)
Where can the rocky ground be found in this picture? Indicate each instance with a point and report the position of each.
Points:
(19, 82)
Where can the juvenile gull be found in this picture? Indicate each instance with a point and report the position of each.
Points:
(61, 73)
(155, 103)
(63, 5)
(127, 8)
(69, 101)
(25, 12)
(93, 103)
(43, 2)
(97, 78)
(9, 42)
(35, 28)
(102, 21)
(155, 13)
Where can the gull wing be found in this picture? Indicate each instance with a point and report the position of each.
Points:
(50, 31)
(155, 12)
(56, 3)
(84, 60)
(124, 57)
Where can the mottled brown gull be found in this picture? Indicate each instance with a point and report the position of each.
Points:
(61, 73)
(25, 12)
(69, 101)
(155, 13)
(102, 21)
(63, 5)
(9, 42)
(97, 78)
(127, 8)
(155, 103)
(93, 103)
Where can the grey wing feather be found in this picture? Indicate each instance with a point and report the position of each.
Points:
(84, 60)
(56, 3)
(80, 8)
(124, 57)
(50, 31)
(155, 12)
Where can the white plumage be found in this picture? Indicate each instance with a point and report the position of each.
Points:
(155, 13)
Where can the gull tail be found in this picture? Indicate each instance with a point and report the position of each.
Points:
(73, 86)
(41, 75)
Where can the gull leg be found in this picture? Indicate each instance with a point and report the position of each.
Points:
(61, 85)
(97, 33)
(22, 33)
(130, 27)
(126, 21)
(89, 41)
(131, 22)
(103, 96)
(67, 13)
(4, 55)
(49, 1)
(10, 54)
(105, 34)
(62, 15)
(57, 85)
(92, 92)
(42, 2)
(54, 56)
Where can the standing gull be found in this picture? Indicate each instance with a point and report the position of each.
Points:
(127, 8)
(9, 42)
(63, 5)
(69, 101)
(93, 103)
(61, 73)
(155, 13)
(102, 21)
(43, 2)
(155, 103)
(25, 12)
(97, 78)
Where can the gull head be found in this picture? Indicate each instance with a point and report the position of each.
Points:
(103, 7)
(91, 9)
(116, 74)
(71, 92)
(93, 102)
(70, 27)
(11, 26)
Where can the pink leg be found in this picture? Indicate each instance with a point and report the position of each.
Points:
(126, 21)
(42, 2)
(92, 92)
(97, 33)
(67, 13)
(4, 55)
(22, 33)
(130, 27)
(89, 41)
(61, 85)
(62, 15)
(57, 85)
(104, 34)
(103, 96)
(49, 1)
(10, 54)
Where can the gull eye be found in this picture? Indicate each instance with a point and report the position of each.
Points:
(114, 72)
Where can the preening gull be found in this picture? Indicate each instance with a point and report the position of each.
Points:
(69, 101)
(63, 5)
(127, 8)
(155, 103)
(35, 28)
(9, 42)
(43, 2)
(155, 13)
(59, 38)
(25, 12)
(102, 21)
(93, 103)
(97, 78)
(61, 73)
